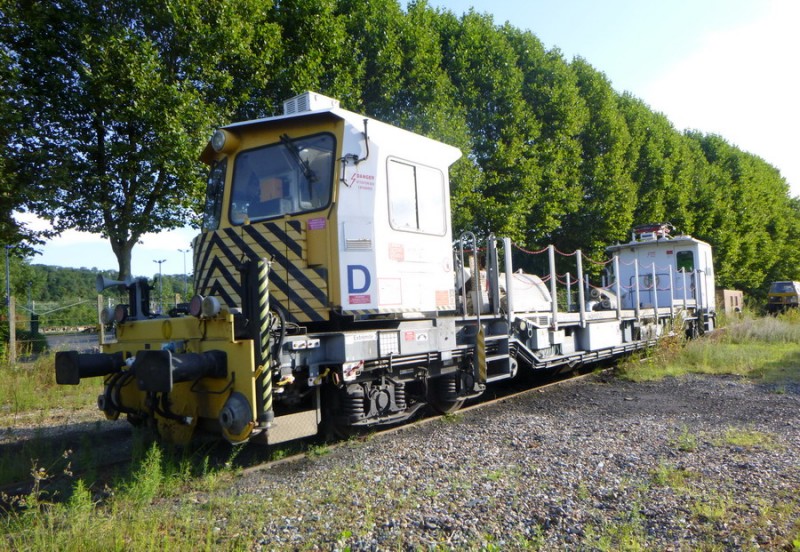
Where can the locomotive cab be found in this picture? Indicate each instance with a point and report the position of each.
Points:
(353, 213)
(657, 270)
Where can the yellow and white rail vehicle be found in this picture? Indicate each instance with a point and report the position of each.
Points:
(330, 292)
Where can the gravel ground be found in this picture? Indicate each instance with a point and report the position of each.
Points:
(683, 464)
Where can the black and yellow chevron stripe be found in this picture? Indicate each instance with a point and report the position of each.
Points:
(301, 290)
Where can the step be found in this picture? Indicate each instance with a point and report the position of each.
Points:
(497, 377)
(293, 426)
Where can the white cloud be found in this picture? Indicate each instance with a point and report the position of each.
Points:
(180, 238)
(742, 83)
(82, 249)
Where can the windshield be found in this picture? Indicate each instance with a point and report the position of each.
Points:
(292, 176)
(782, 287)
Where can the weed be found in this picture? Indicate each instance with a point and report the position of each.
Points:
(494, 475)
(711, 509)
(583, 492)
(317, 451)
(452, 418)
(278, 454)
(627, 533)
(685, 442)
(746, 438)
(675, 478)
(148, 478)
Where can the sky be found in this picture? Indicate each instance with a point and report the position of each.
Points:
(727, 67)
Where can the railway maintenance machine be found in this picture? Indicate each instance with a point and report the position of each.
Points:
(332, 294)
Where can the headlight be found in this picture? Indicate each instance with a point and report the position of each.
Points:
(223, 141)
(218, 140)
(120, 313)
(196, 305)
(210, 307)
(107, 316)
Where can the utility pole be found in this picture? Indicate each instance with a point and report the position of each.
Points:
(12, 329)
(8, 278)
(160, 285)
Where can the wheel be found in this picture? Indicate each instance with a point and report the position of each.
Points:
(444, 395)
(340, 408)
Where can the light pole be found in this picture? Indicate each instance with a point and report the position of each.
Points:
(185, 280)
(160, 285)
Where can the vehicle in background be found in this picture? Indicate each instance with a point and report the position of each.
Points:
(782, 295)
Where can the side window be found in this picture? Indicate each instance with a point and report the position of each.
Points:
(416, 198)
(685, 261)
(214, 190)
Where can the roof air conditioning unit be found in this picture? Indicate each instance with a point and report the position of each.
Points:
(308, 101)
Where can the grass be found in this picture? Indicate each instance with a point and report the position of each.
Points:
(747, 439)
(764, 350)
(30, 388)
(146, 511)
(677, 478)
(685, 441)
(174, 500)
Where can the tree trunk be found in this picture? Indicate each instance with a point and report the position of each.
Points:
(123, 252)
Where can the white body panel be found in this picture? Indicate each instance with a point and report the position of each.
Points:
(387, 265)
(665, 257)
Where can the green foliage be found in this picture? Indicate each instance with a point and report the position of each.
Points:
(106, 106)
(607, 191)
(116, 100)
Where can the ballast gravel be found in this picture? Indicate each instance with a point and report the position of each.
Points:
(691, 463)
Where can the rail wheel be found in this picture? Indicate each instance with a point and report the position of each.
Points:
(342, 406)
(444, 396)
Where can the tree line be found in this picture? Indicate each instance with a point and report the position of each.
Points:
(107, 105)
(61, 296)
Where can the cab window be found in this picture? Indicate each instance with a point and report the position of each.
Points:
(416, 198)
(292, 176)
(685, 261)
(214, 190)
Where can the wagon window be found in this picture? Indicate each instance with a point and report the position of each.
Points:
(782, 287)
(685, 260)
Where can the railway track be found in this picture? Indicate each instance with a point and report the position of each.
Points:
(102, 455)
(500, 395)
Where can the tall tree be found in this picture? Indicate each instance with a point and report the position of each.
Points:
(12, 196)
(117, 99)
(315, 52)
(608, 192)
(748, 215)
(482, 64)
(551, 91)
(654, 159)
(374, 29)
